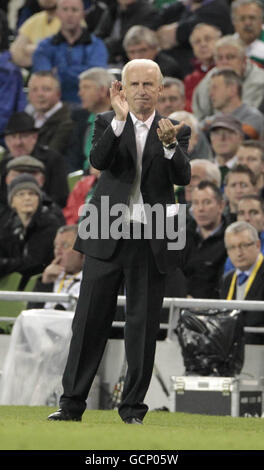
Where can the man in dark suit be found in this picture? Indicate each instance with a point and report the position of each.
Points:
(246, 281)
(140, 156)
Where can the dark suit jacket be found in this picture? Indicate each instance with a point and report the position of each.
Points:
(116, 158)
(256, 292)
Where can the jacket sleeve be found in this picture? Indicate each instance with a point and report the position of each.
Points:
(104, 145)
(180, 169)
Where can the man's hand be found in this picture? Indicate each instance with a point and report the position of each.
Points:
(168, 132)
(52, 271)
(118, 101)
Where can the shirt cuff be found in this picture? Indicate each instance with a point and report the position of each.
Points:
(168, 153)
(117, 126)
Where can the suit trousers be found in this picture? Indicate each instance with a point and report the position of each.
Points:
(133, 263)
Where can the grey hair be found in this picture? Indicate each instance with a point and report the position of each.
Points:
(169, 81)
(138, 33)
(102, 77)
(144, 62)
(68, 228)
(241, 226)
(238, 3)
(212, 171)
(202, 25)
(230, 40)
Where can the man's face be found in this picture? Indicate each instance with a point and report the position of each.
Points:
(142, 88)
(228, 57)
(225, 142)
(91, 94)
(43, 93)
(250, 210)
(125, 3)
(207, 210)
(252, 158)
(220, 92)
(248, 22)
(68, 258)
(141, 51)
(242, 250)
(203, 41)
(198, 173)
(237, 186)
(71, 14)
(170, 100)
(21, 143)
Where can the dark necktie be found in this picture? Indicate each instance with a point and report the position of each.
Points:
(241, 278)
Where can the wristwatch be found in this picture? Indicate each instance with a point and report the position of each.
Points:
(171, 146)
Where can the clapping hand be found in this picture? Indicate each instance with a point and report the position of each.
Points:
(167, 131)
(118, 101)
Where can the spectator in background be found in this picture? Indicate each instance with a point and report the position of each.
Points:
(199, 146)
(250, 209)
(179, 19)
(202, 40)
(141, 42)
(172, 97)
(225, 91)
(246, 281)
(12, 96)
(71, 51)
(36, 168)
(118, 19)
(226, 136)
(52, 117)
(26, 237)
(204, 253)
(64, 273)
(94, 85)
(240, 180)
(251, 154)
(21, 138)
(36, 28)
(247, 18)
(201, 170)
(230, 54)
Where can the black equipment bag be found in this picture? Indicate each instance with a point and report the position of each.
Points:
(212, 341)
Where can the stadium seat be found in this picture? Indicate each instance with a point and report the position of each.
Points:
(74, 177)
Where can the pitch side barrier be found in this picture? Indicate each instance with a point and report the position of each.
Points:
(174, 304)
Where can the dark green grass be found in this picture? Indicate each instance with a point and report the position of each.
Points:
(27, 428)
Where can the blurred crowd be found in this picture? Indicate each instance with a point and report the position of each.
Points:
(58, 59)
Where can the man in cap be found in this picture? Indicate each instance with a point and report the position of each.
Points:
(21, 138)
(226, 136)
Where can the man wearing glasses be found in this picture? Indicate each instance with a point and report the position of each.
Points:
(245, 282)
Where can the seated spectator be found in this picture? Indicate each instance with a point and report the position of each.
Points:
(225, 90)
(202, 40)
(204, 254)
(63, 275)
(251, 154)
(247, 18)
(250, 209)
(36, 28)
(240, 180)
(199, 146)
(80, 194)
(180, 18)
(141, 42)
(116, 20)
(21, 139)
(246, 281)
(26, 237)
(36, 168)
(230, 53)
(201, 170)
(52, 117)
(94, 85)
(226, 136)
(172, 97)
(71, 51)
(12, 96)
